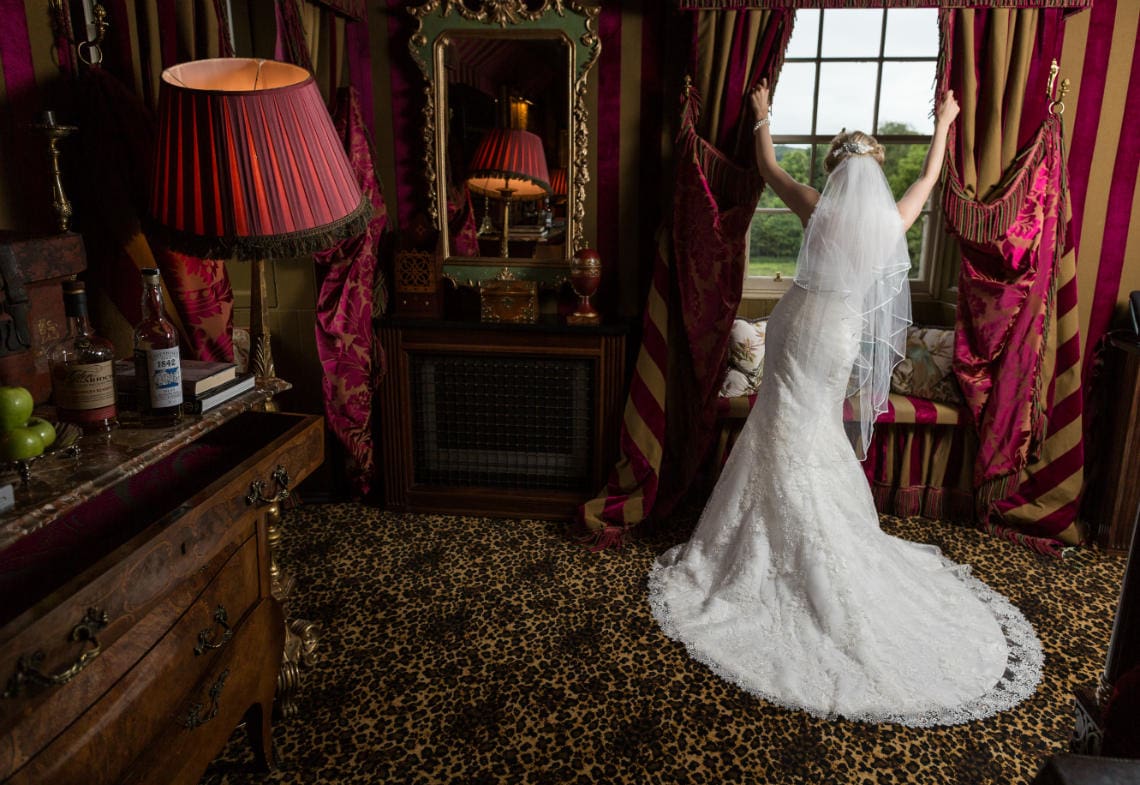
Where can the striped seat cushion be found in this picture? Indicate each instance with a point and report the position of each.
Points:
(900, 409)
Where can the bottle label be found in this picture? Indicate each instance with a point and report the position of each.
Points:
(84, 386)
(164, 377)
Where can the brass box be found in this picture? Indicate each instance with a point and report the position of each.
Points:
(508, 301)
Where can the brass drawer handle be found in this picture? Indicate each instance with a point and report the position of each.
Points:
(257, 488)
(194, 717)
(28, 668)
(204, 642)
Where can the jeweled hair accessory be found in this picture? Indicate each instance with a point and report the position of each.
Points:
(855, 148)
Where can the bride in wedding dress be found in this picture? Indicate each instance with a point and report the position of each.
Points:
(788, 587)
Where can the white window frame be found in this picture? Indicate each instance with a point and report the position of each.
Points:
(934, 246)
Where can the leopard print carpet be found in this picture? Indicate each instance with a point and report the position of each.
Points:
(470, 650)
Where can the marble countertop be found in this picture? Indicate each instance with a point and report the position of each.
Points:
(59, 481)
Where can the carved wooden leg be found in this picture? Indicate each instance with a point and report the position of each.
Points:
(259, 717)
(259, 731)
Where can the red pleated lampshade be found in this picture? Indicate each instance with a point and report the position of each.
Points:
(509, 158)
(248, 163)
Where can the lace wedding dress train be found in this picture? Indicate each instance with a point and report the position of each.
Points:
(791, 590)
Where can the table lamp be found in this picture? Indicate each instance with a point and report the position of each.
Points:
(509, 164)
(249, 166)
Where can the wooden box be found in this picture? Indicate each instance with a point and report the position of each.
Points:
(508, 301)
(31, 305)
(417, 291)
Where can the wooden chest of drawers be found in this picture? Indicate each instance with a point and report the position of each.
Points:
(134, 659)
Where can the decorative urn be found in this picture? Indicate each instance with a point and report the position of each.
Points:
(585, 275)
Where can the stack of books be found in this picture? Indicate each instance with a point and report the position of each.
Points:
(205, 384)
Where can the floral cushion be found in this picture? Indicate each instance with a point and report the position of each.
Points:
(745, 358)
(736, 384)
(927, 369)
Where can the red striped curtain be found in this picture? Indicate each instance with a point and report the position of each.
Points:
(1017, 354)
(669, 417)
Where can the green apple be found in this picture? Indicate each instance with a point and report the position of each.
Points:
(19, 444)
(43, 428)
(15, 407)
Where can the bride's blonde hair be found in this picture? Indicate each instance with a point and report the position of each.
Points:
(854, 143)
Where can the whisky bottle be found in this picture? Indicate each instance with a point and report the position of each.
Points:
(82, 368)
(158, 369)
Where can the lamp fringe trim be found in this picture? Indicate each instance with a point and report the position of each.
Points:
(294, 244)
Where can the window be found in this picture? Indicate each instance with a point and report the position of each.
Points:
(871, 70)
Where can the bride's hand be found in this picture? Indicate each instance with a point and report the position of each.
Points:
(758, 99)
(947, 108)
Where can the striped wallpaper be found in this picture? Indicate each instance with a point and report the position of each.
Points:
(1102, 133)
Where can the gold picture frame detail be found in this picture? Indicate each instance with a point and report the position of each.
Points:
(441, 21)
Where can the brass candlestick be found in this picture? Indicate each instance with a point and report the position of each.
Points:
(55, 132)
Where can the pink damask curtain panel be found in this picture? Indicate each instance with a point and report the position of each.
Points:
(667, 425)
(351, 359)
(1017, 356)
(349, 275)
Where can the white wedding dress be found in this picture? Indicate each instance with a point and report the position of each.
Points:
(789, 588)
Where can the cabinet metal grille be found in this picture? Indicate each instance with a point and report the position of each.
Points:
(495, 421)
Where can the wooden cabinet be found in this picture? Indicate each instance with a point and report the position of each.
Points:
(493, 419)
(138, 628)
(1117, 492)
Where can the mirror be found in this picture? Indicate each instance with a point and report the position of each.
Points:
(505, 127)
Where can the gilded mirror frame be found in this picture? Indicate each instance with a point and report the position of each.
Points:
(568, 20)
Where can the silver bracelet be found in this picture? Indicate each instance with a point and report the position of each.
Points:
(763, 121)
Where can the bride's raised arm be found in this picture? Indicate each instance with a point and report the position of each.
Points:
(912, 202)
(798, 197)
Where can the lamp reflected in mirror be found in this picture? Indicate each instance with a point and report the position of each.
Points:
(509, 165)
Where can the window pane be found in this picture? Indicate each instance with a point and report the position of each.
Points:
(793, 159)
(852, 33)
(791, 103)
(805, 35)
(911, 32)
(846, 97)
(818, 176)
(902, 165)
(907, 98)
(774, 244)
(914, 245)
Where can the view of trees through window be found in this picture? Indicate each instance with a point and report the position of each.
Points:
(870, 68)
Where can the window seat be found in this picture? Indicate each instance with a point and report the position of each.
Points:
(921, 457)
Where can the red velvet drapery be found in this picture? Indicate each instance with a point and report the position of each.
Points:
(1017, 355)
(698, 274)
